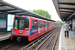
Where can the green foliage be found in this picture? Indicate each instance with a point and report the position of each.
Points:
(42, 12)
(60, 22)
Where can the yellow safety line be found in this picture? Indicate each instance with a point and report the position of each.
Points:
(72, 42)
(64, 41)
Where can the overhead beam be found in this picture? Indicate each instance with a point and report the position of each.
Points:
(22, 13)
(66, 11)
(2, 5)
(70, 16)
(67, 3)
(7, 10)
(14, 12)
(67, 8)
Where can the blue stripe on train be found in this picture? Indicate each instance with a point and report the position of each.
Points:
(32, 31)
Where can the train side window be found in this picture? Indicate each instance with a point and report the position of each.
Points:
(45, 24)
(49, 24)
(32, 24)
(40, 24)
(35, 24)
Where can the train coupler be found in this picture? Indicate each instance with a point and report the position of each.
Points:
(18, 39)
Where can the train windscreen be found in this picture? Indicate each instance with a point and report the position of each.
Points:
(21, 23)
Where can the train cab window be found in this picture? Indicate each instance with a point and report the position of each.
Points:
(21, 23)
(32, 24)
(26, 24)
(16, 24)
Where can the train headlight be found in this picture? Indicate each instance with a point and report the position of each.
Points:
(13, 32)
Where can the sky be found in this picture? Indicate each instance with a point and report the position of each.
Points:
(36, 4)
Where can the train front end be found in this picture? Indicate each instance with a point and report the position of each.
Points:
(20, 28)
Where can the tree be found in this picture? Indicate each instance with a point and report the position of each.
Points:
(60, 22)
(42, 12)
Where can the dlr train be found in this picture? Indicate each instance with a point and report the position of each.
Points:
(30, 27)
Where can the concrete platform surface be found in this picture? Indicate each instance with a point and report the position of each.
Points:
(4, 35)
(67, 43)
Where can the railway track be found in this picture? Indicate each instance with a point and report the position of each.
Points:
(16, 46)
(50, 42)
(33, 45)
(6, 43)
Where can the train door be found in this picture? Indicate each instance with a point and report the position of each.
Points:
(45, 26)
(34, 27)
(38, 27)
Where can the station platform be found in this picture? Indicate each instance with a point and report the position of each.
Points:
(4, 35)
(66, 43)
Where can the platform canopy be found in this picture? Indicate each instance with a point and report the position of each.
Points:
(8, 8)
(65, 9)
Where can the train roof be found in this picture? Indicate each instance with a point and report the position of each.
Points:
(7, 8)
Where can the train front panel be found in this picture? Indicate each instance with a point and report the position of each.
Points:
(20, 27)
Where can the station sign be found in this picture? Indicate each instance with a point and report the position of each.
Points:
(66, 21)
